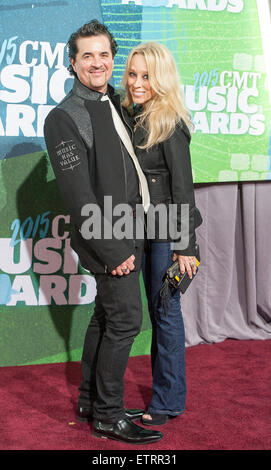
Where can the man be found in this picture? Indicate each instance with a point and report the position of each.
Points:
(91, 162)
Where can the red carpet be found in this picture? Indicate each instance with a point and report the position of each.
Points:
(228, 404)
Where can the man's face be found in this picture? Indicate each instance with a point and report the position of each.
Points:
(94, 62)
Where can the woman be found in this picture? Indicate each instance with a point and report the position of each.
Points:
(161, 141)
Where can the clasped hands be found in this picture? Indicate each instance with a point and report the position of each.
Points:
(125, 267)
(186, 263)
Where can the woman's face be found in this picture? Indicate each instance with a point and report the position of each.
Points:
(138, 80)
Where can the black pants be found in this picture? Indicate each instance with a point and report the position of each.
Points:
(116, 321)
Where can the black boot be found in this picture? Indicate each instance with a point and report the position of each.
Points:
(126, 431)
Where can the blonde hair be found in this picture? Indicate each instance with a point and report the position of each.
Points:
(166, 108)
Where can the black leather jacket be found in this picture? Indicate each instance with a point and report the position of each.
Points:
(167, 167)
(89, 163)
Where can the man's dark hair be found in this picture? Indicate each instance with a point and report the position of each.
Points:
(93, 28)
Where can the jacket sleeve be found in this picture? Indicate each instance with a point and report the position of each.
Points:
(186, 218)
(69, 159)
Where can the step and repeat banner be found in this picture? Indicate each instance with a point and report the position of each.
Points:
(46, 298)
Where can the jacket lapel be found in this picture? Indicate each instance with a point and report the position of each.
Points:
(108, 155)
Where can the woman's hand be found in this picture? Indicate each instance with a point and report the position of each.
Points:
(186, 263)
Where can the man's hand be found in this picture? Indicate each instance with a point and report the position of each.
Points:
(186, 263)
(125, 267)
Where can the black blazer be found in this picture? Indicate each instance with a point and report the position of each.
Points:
(93, 168)
(167, 167)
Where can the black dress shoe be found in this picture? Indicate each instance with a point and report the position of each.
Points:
(85, 414)
(126, 431)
